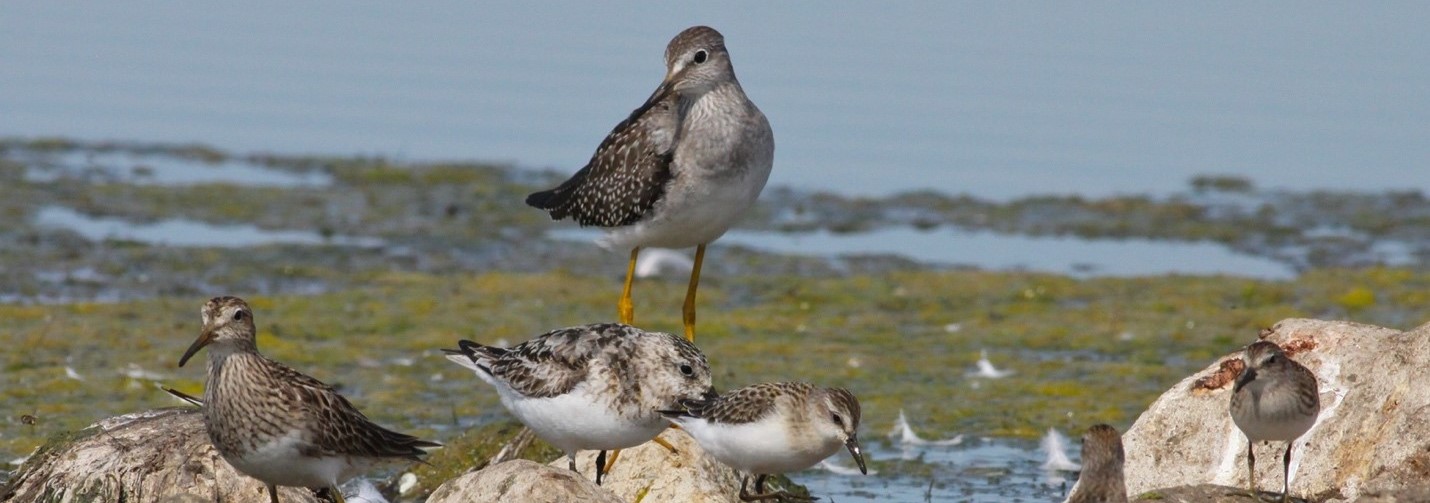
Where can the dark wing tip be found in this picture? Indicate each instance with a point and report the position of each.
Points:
(472, 349)
(541, 200)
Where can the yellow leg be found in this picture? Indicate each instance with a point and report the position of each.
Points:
(666, 445)
(689, 310)
(625, 308)
(611, 461)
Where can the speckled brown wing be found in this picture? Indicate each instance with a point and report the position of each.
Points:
(747, 404)
(345, 431)
(628, 173)
(555, 362)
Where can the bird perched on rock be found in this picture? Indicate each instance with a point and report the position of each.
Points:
(591, 387)
(1274, 399)
(679, 171)
(773, 428)
(278, 425)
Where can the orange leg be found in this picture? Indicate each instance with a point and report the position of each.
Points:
(689, 310)
(611, 461)
(625, 308)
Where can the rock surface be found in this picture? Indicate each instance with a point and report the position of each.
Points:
(157, 455)
(521, 480)
(660, 475)
(1210, 493)
(1371, 440)
(647, 472)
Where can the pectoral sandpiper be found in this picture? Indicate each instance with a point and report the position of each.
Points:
(276, 424)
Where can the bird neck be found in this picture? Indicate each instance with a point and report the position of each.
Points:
(219, 351)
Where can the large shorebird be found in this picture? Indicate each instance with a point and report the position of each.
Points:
(679, 171)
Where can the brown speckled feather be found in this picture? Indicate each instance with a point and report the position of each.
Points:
(747, 404)
(1102, 478)
(627, 174)
(553, 363)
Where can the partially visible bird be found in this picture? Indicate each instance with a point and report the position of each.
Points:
(772, 428)
(1102, 478)
(679, 171)
(278, 425)
(1274, 399)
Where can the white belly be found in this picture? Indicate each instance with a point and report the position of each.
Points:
(1272, 413)
(280, 463)
(691, 214)
(575, 421)
(760, 447)
(1274, 428)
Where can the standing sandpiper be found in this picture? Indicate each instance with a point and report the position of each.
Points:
(277, 425)
(773, 428)
(1274, 399)
(1102, 457)
(591, 387)
(679, 171)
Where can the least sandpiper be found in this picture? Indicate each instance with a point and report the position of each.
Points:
(773, 428)
(1101, 480)
(591, 387)
(276, 424)
(680, 170)
(1274, 399)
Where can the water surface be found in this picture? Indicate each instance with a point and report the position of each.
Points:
(993, 99)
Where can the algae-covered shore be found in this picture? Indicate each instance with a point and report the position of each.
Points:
(405, 259)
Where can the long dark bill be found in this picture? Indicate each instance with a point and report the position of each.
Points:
(204, 339)
(853, 445)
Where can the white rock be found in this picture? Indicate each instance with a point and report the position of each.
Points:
(1371, 437)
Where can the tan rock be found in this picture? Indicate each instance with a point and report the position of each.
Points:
(1372, 435)
(521, 480)
(654, 473)
(160, 455)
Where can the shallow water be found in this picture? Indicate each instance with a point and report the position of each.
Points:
(1001, 252)
(978, 470)
(185, 233)
(997, 100)
(133, 168)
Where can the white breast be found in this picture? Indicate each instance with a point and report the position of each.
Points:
(765, 446)
(280, 462)
(577, 421)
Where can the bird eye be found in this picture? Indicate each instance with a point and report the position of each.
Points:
(238, 316)
(687, 370)
(701, 56)
(838, 420)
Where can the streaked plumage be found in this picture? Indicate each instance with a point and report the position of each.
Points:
(276, 424)
(773, 428)
(681, 169)
(591, 387)
(1274, 399)
(1102, 478)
